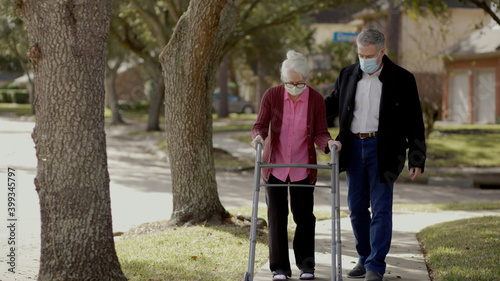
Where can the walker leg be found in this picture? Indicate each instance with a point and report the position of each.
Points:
(337, 217)
(336, 231)
(255, 208)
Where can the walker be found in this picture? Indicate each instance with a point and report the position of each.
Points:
(334, 187)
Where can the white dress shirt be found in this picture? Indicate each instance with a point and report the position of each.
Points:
(367, 104)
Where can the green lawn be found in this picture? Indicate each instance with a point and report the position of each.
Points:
(460, 148)
(190, 253)
(437, 207)
(16, 109)
(463, 250)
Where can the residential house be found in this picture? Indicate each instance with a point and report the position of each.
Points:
(471, 91)
(337, 19)
(7, 77)
(413, 40)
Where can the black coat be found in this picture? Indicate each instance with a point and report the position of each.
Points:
(400, 126)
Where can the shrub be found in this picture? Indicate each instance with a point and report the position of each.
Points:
(20, 96)
(133, 106)
(5, 97)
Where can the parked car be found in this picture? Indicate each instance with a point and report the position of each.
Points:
(235, 104)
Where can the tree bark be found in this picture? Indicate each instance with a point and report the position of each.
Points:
(68, 53)
(111, 75)
(189, 63)
(155, 104)
(223, 111)
(261, 83)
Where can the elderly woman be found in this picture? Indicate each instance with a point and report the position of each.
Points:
(296, 114)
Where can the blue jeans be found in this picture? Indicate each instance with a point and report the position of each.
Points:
(373, 232)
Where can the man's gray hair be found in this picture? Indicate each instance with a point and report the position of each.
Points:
(371, 36)
(295, 62)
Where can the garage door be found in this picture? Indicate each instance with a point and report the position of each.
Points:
(484, 96)
(458, 97)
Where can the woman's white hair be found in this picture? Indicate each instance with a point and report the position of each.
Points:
(295, 62)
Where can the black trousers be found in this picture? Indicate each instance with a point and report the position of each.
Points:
(302, 205)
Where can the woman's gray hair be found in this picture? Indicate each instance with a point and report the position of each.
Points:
(371, 37)
(295, 62)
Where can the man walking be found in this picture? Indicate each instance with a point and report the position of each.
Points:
(379, 118)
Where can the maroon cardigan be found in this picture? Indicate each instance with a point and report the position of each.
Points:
(271, 112)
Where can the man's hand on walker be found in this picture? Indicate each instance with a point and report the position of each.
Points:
(415, 172)
(256, 140)
(334, 142)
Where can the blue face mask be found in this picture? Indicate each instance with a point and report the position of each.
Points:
(369, 65)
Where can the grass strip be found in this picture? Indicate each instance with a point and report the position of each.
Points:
(437, 207)
(464, 149)
(16, 109)
(464, 249)
(190, 253)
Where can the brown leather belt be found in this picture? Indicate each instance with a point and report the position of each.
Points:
(365, 135)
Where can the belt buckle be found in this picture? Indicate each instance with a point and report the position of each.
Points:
(362, 138)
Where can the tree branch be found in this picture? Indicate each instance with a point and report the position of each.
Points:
(129, 43)
(20, 11)
(117, 63)
(244, 17)
(157, 27)
(173, 9)
(277, 20)
(483, 5)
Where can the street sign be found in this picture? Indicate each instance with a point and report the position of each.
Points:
(344, 37)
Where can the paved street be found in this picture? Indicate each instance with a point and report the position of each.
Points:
(141, 192)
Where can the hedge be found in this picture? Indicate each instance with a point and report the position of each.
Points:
(14, 96)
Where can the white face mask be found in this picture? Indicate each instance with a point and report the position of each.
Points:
(293, 90)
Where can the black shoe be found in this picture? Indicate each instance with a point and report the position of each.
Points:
(373, 276)
(357, 272)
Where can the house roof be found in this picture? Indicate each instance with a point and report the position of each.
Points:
(8, 76)
(482, 42)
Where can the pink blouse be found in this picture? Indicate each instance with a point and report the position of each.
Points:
(292, 147)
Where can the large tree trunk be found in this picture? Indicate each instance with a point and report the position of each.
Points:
(261, 83)
(189, 62)
(31, 92)
(223, 94)
(155, 104)
(111, 75)
(68, 54)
